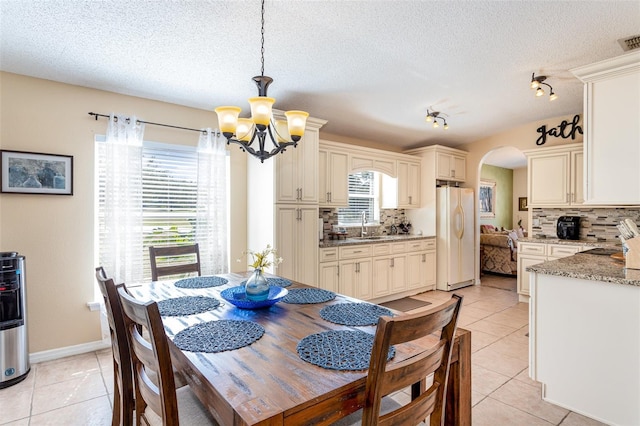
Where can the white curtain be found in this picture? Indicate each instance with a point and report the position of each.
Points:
(122, 251)
(211, 219)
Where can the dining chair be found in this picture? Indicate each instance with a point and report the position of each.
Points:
(388, 376)
(150, 355)
(123, 404)
(186, 254)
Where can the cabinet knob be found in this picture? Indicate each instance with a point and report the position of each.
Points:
(392, 262)
(410, 202)
(453, 173)
(424, 258)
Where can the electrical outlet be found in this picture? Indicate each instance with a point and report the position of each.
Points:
(93, 306)
(536, 222)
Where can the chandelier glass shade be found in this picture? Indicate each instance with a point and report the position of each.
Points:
(261, 135)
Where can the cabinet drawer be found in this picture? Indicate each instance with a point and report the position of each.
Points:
(353, 252)
(399, 247)
(415, 246)
(429, 244)
(539, 249)
(328, 254)
(381, 249)
(562, 250)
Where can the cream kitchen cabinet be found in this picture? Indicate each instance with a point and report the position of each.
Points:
(297, 171)
(333, 184)
(356, 278)
(297, 225)
(555, 176)
(329, 276)
(421, 265)
(368, 160)
(612, 130)
(390, 270)
(530, 254)
(451, 167)
(408, 185)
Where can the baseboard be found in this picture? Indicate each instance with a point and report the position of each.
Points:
(58, 353)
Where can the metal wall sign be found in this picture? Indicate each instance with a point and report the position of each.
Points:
(564, 130)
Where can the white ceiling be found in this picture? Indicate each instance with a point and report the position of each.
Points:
(371, 68)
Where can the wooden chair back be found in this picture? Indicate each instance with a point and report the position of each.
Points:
(385, 377)
(151, 357)
(186, 253)
(123, 404)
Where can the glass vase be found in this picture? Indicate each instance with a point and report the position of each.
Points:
(257, 287)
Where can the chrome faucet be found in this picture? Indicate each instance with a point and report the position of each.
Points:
(363, 216)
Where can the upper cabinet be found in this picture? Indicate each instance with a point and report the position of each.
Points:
(369, 162)
(612, 130)
(334, 170)
(297, 171)
(408, 184)
(555, 176)
(451, 166)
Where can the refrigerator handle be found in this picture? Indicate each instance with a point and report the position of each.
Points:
(460, 212)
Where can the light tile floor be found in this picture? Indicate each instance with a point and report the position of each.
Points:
(78, 390)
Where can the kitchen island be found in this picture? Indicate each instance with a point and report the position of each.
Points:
(584, 319)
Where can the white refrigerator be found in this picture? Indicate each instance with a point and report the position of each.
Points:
(455, 238)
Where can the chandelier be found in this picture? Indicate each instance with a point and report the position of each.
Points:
(539, 80)
(253, 134)
(434, 116)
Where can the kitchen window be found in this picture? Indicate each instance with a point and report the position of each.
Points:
(364, 195)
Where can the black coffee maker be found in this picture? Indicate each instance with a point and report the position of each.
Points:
(568, 227)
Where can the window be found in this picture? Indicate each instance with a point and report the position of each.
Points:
(169, 196)
(364, 190)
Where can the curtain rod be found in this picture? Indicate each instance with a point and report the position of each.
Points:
(96, 115)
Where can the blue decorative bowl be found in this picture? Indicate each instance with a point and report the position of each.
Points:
(237, 297)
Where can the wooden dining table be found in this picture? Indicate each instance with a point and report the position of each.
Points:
(267, 383)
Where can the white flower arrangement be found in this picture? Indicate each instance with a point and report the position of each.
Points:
(261, 258)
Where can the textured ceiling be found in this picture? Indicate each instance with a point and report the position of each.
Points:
(371, 68)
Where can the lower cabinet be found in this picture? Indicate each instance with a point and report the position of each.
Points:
(379, 271)
(355, 278)
(530, 254)
(296, 236)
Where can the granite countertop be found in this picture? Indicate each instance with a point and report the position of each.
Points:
(590, 267)
(375, 240)
(590, 243)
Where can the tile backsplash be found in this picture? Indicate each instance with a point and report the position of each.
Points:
(596, 224)
(387, 218)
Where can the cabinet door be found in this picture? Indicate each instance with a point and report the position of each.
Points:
(414, 185)
(347, 281)
(549, 180)
(459, 168)
(444, 166)
(397, 273)
(381, 284)
(307, 166)
(323, 169)
(287, 189)
(286, 240)
(403, 184)
(577, 177)
(523, 276)
(329, 276)
(307, 246)
(338, 179)
(415, 270)
(364, 274)
(429, 261)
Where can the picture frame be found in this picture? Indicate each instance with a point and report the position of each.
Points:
(25, 172)
(487, 198)
(522, 204)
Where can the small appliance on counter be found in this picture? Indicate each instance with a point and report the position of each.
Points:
(568, 227)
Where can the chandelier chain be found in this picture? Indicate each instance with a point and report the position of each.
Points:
(262, 41)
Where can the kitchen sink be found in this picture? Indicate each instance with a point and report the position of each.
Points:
(372, 237)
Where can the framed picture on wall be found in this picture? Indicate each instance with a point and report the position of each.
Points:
(36, 173)
(522, 204)
(487, 198)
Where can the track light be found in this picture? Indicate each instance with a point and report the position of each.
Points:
(434, 116)
(536, 82)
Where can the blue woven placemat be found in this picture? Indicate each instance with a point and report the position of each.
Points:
(354, 314)
(339, 349)
(218, 336)
(308, 295)
(187, 305)
(280, 282)
(200, 282)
